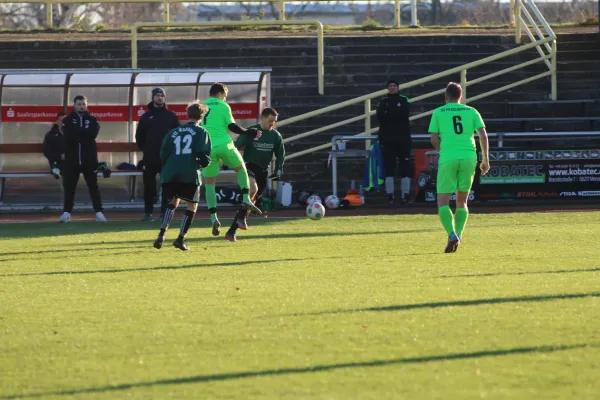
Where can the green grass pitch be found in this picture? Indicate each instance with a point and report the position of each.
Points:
(342, 308)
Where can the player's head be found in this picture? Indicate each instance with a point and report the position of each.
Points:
(219, 90)
(158, 97)
(80, 103)
(453, 93)
(392, 86)
(59, 117)
(268, 118)
(196, 110)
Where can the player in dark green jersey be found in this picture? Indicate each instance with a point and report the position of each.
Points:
(452, 130)
(258, 154)
(184, 151)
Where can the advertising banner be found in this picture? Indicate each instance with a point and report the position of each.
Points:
(521, 174)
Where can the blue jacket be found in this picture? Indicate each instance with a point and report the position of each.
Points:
(374, 175)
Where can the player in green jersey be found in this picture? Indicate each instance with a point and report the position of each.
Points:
(218, 121)
(184, 151)
(258, 155)
(452, 130)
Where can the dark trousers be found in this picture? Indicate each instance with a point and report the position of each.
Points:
(71, 178)
(395, 154)
(150, 190)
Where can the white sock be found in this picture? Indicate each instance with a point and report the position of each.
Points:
(389, 185)
(405, 186)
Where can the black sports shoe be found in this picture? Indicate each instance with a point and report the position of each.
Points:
(216, 228)
(230, 236)
(159, 242)
(179, 243)
(453, 243)
(391, 199)
(404, 199)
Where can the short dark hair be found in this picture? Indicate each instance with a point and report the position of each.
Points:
(195, 110)
(79, 97)
(453, 91)
(217, 88)
(267, 112)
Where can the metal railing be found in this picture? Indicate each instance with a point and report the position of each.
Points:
(166, 13)
(523, 13)
(336, 152)
(319, 27)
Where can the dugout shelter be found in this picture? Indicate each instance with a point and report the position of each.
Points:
(31, 99)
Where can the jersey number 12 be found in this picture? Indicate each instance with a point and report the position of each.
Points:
(187, 141)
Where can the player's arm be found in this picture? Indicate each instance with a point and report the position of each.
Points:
(434, 131)
(381, 113)
(235, 128)
(483, 143)
(242, 142)
(165, 148)
(140, 133)
(202, 149)
(280, 159)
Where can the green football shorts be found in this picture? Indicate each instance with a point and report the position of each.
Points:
(456, 175)
(226, 153)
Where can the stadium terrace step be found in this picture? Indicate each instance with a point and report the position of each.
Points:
(354, 66)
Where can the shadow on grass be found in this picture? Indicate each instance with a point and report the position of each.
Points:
(77, 251)
(305, 370)
(206, 265)
(164, 268)
(560, 271)
(51, 229)
(459, 303)
(312, 234)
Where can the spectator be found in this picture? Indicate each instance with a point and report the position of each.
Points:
(151, 130)
(81, 157)
(393, 114)
(54, 146)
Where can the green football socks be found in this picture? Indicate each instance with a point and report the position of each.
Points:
(211, 200)
(461, 217)
(447, 219)
(244, 182)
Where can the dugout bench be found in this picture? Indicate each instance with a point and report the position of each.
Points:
(36, 148)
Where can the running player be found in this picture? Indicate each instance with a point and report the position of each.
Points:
(184, 151)
(452, 130)
(217, 121)
(257, 156)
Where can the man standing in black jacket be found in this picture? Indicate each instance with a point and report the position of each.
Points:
(81, 157)
(54, 146)
(151, 130)
(393, 114)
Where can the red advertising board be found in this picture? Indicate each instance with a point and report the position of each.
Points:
(239, 110)
(30, 113)
(109, 113)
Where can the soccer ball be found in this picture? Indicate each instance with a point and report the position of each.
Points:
(332, 201)
(313, 199)
(315, 211)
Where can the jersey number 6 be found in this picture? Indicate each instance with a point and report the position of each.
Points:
(458, 128)
(456, 120)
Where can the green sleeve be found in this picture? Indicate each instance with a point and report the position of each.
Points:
(478, 120)
(279, 154)
(433, 125)
(243, 140)
(229, 116)
(203, 144)
(165, 148)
